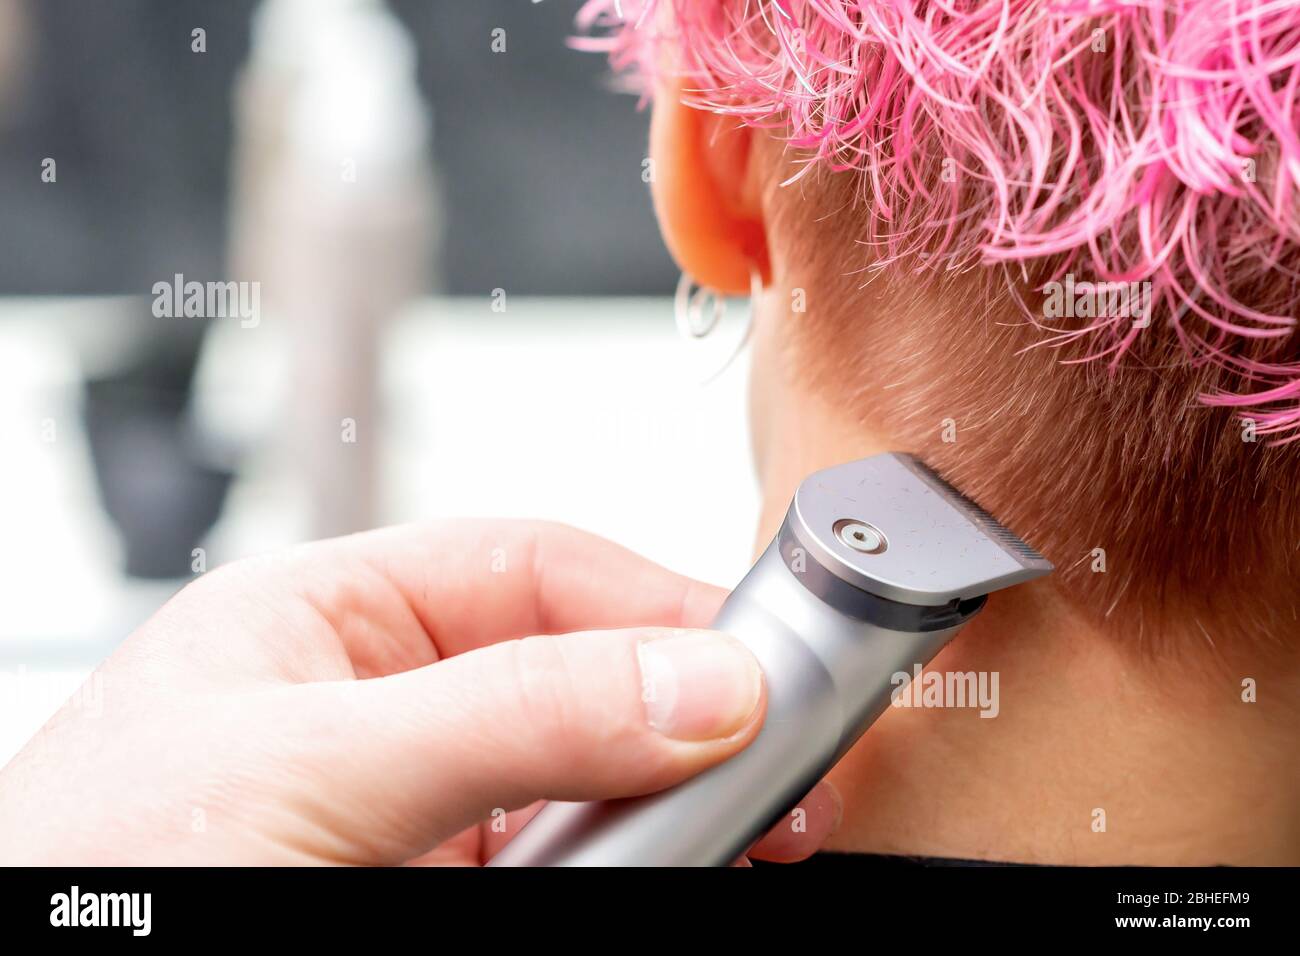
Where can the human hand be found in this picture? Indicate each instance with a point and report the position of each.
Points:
(380, 699)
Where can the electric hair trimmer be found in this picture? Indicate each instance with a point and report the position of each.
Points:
(878, 564)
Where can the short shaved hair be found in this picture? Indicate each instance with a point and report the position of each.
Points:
(977, 192)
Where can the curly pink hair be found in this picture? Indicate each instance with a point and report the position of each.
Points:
(1135, 140)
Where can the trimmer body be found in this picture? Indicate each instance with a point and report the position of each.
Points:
(877, 566)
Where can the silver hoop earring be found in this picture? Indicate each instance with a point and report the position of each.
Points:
(700, 313)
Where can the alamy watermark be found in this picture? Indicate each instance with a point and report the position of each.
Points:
(24, 692)
(129, 910)
(922, 688)
(1069, 299)
(208, 300)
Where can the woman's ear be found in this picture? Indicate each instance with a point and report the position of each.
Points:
(708, 193)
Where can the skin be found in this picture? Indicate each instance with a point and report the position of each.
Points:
(377, 699)
(1184, 770)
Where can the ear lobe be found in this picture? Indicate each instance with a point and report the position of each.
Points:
(708, 194)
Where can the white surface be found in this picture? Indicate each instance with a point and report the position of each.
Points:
(587, 420)
(573, 410)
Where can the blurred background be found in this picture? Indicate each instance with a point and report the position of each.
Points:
(281, 269)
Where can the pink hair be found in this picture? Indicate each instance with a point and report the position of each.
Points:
(1141, 140)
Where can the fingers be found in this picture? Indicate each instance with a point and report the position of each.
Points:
(537, 578)
(583, 716)
(803, 830)
(465, 584)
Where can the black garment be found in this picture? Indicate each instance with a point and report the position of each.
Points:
(884, 861)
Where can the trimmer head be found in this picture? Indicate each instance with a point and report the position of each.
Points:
(892, 527)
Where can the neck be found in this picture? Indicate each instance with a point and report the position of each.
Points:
(1092, 758)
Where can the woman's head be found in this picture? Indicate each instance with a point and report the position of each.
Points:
(1063, 234)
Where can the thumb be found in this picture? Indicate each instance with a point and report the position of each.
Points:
(581, 716)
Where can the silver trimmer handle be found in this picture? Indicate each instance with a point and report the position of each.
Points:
(815, 707)
(830, 650)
